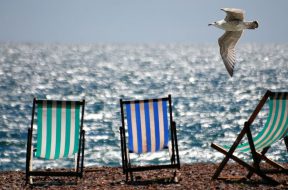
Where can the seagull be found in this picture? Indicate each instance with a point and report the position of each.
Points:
(233, 24)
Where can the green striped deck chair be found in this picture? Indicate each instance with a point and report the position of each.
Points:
(147, 127)
(275, 129)
(59, 134)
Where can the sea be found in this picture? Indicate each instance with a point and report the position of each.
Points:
(208, 105)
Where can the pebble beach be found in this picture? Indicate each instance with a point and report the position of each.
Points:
(190, 176)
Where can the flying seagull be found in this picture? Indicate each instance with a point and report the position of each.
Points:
(233, 24)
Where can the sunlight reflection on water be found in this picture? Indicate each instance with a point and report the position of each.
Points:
(207, 105)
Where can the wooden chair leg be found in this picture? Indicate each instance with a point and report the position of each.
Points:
(229, 153)
(256, 164)
(127, 177)
(31, 166)
(220, 167)
(131, 176)
(29, 152)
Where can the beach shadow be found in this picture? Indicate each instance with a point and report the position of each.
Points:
(46, 184)
(147, 182)
(249, 182)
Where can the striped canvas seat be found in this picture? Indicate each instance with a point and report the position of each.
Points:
(276, 125)
(148, 127)
(58, 129)
(147, 123)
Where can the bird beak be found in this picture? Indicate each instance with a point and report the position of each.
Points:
(211, 24)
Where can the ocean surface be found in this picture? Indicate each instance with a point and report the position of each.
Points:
(208, 105)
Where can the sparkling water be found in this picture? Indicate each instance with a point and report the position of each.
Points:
(208, 105)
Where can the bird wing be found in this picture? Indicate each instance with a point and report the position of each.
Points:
(227, 44)
(233, 14)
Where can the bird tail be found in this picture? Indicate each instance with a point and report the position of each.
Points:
(252, 25)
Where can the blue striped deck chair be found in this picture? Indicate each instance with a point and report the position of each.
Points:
(147, 127)
(275, 129)
(59, 134)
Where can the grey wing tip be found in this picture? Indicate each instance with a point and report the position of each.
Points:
(230, 73)
(230, 69)
(233, 10)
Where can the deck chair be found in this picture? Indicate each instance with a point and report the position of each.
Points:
(149, 126)
(275, 129)
(60, 135)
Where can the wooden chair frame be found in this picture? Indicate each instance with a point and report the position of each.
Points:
(80, 154)
(126, 163)
(256, 156)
